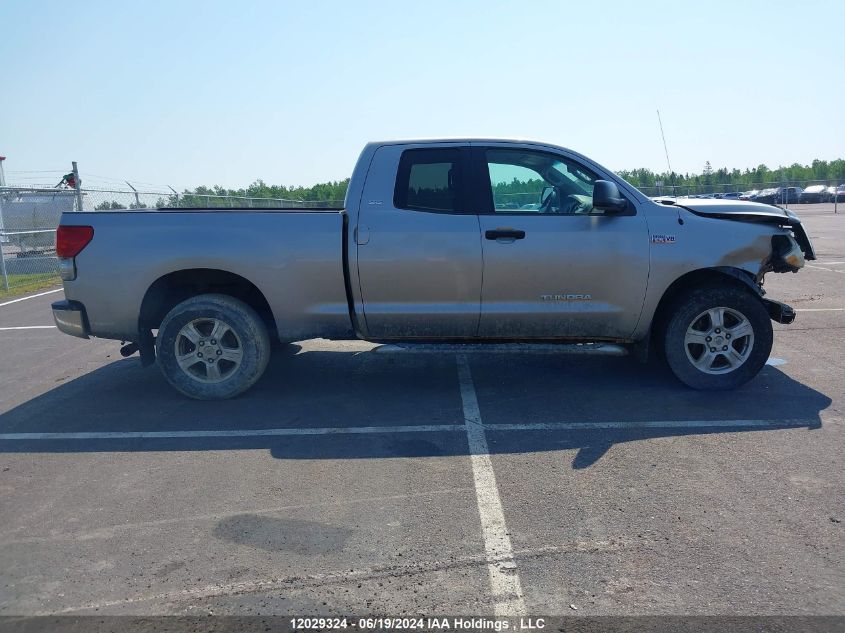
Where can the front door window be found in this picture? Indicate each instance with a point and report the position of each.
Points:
(538, 183)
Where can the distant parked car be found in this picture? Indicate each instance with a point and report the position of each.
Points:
(731, 195)
(813, 193)
(839, 195)
(749, 195)
(788, 195)
(766, 196)
(780, 195)
(828, 194)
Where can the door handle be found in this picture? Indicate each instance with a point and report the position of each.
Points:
(498, 234)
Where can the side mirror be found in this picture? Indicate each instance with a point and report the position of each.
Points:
(606, 197)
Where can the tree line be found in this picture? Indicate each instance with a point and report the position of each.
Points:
(722, 179)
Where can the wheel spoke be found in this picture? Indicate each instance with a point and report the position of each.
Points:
(705, 361)
(231, 354)
(695, 337)
(734, 358)
(188, 360)
(191, 333)
(741, 329)
(717, 317)
(219, 330)
(212, 370)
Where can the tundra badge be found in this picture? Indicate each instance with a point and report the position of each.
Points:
(568, 297)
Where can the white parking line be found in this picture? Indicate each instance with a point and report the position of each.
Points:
(820, 309)
(422, 428)
(830, 270)
(650, 424)
(29, 327)
(501, 565)
(40, 294)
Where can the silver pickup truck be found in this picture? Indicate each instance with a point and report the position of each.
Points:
(460, 241)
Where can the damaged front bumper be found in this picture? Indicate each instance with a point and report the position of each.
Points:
(779, 311)
(800, 235)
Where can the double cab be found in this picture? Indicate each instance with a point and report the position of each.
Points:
(457, 241)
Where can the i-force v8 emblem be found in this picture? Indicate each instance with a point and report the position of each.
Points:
(662, 239)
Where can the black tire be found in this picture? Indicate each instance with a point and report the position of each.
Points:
(686, 312)
(246, 333)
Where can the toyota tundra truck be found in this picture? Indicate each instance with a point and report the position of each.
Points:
(439, 241)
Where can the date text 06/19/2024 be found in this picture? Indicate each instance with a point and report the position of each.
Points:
(419, 623)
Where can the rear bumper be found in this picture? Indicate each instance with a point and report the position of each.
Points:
(70, 318)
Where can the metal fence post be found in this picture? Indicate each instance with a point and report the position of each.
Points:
(78, 186)
(2, 256)
(137, 199)
(175, 193)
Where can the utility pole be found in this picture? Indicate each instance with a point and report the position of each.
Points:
(175, 193)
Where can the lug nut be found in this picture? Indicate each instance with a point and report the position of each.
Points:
(219, 352)
(202, 343)
(708, 339)
(712, 349)
(199, 354)
(718, 330)
(727, 335)
(213, 342)
(725, 348)
(210, 360)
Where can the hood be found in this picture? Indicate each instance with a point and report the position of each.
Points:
(728, 208)
(745, 211)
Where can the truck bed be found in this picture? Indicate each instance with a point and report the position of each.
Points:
(293, 256)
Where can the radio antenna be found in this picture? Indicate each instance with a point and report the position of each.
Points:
(663, 136)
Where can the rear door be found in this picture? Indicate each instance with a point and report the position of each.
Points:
(418, 247)
(554, 267)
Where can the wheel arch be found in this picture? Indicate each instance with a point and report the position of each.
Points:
(699, 278)
(172, 288)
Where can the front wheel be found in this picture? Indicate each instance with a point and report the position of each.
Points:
(717, 338)
(212, 347)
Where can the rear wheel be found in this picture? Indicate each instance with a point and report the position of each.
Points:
(212, 347)
(717, 338)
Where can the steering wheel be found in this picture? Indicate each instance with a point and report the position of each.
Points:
(549, 201)
(571, 205)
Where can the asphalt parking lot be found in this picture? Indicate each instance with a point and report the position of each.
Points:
(360, 480)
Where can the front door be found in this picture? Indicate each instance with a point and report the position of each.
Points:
(555, 267)
(419, 250)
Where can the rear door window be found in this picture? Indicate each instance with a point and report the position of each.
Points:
(430, 180)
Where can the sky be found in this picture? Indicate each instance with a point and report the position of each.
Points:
(201, 93)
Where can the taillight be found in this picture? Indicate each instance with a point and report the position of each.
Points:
(70, 240)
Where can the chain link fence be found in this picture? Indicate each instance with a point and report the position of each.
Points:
(780, 192)
(29, 217)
